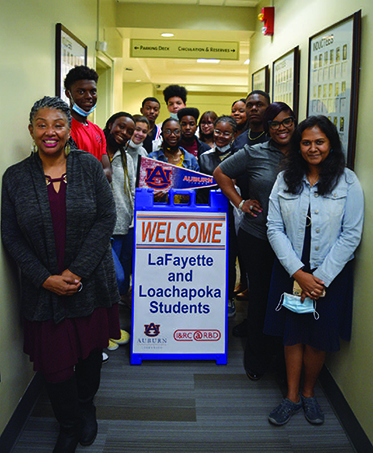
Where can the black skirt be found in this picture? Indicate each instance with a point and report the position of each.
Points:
(335, 310)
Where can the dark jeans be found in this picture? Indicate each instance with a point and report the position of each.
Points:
(258, 259)
(232, 254)
(123, 247)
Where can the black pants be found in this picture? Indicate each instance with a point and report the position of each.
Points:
(232, 255)
(258, 259)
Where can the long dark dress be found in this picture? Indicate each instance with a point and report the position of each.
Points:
(55, 347)
(335, 309)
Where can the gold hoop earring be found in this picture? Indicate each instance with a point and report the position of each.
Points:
(67, 149)
(34, 148)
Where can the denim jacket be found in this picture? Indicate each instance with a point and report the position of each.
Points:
(336, 225)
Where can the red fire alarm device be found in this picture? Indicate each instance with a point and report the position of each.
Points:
(267, 16)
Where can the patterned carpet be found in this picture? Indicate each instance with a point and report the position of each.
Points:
(189, 406)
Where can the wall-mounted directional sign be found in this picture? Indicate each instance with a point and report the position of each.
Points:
(153, 48)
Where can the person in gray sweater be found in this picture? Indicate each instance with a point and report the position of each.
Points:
(57, 218)
(118, 131)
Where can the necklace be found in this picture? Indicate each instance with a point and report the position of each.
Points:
(256, 138)
(312, 181)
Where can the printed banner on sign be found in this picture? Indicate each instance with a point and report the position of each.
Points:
(179, 291)
(161, 176)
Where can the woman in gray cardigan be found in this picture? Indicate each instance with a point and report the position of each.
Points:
(58, 214)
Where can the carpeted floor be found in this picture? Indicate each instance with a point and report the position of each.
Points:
(189, 406)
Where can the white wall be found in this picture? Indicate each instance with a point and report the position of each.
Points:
(27, 36)
(295, 22)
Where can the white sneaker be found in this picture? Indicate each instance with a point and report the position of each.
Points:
(105, 357)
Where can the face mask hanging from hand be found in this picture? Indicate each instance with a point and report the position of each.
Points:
(294, 304)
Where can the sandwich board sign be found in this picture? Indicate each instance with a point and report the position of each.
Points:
(180, 278)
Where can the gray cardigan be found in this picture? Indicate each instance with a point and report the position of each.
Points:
(27, 233)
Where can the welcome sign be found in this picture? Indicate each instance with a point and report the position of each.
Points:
(180, 275)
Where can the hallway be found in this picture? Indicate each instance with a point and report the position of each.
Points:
(189, 406)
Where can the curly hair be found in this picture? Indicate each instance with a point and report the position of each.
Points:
(227, 119)
(80, 73)
(175, 90)
(48, 102)
(331, 169)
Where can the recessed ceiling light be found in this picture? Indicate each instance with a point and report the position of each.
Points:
(167, 35)
(208, 60)
(247, 61)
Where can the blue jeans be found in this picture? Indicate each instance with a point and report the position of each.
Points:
(123, 247)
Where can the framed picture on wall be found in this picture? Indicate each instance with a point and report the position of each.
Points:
(333, 78)
(260, 79)
(285, 79)
(70, 52)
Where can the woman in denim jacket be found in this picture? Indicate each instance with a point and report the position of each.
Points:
(315, 221)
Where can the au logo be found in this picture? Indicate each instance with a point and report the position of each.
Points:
(158, 177)
(151, 330)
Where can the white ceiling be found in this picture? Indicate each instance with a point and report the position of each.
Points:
(224, 76)
(242, 3)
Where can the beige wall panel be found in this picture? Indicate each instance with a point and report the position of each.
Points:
(295, 22)
(27, 34)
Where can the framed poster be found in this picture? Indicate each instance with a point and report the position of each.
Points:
(260, 80)
(333, 78)
(285, 79)
(70, 52)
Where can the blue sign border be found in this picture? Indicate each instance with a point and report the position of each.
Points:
(144, 201)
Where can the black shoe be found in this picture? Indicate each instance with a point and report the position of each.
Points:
(64, 399)
(68, 438)
(240, 330)
(253, 376)
(89, 430)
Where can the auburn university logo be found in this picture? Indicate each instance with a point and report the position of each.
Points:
(151, 330)
(158, 177)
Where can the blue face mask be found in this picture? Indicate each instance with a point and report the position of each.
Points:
(80, 111)
(174, 116)
(294, 304)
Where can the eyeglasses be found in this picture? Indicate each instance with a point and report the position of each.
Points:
(224, 134)
(287, 122)
(170, 132)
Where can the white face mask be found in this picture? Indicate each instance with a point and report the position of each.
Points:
(223, 149)
(134, 145)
